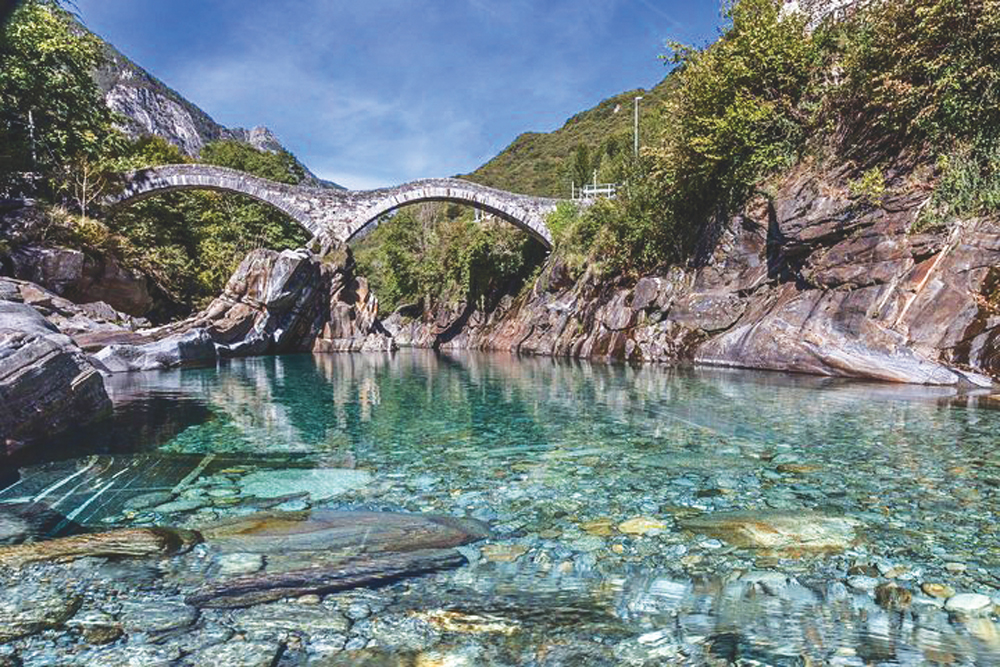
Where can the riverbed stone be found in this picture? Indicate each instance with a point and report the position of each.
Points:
(26, 609)
(398, 632)
(936, 590)
(13, 529)
(320, 483)
(146, 500)
(969, 604)
(130, 655)
(156, 615)
(642, 525)
(231, 565)
(780, 531)
(96, 627)
(277, 618)
(239, 654)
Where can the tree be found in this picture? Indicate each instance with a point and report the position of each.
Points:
(51, 110)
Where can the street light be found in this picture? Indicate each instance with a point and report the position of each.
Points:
(636, 131)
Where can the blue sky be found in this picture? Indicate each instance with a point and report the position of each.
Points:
(376, 92)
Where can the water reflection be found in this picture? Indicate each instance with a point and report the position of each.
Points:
(549, 451)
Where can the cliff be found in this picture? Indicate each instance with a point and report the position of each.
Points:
(817, 280)
(149, 106)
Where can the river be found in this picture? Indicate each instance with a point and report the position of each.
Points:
(640, 515)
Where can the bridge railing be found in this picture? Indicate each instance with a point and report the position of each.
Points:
(595, 190)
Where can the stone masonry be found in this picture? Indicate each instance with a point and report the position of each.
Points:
(339, 215)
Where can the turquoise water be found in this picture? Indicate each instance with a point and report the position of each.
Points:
(557, 455)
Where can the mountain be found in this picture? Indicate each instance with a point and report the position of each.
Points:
(151, 107)
(535, 162)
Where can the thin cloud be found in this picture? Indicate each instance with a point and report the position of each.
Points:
(384, 91)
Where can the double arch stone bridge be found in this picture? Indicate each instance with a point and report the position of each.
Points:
(339, 215)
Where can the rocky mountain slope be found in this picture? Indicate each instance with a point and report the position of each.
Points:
(149, 106)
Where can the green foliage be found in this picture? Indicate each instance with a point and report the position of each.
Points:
(191, 242)
(925, 69)
(544, 164)
(46, 67)
(432, 253)
(731, 115)
(280, 166)
(870, 188)
(926, 73)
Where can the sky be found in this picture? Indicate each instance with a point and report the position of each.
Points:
(371, 93)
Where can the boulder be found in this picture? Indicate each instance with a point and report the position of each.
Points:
(291, 301)
(193, 348)
(47, 384)
(83, 278)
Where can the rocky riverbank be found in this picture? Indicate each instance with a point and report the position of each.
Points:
(818, 280)
(53, 351)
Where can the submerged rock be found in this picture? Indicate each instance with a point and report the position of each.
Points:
(270, 620)
(29, 608)
(969, 604)
(131, 542)
(319, 483)
(240, 654)
(789, 532)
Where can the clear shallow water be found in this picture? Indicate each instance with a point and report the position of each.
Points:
(555, 455)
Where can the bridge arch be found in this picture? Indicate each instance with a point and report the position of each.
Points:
(146, 183)
(526, 213)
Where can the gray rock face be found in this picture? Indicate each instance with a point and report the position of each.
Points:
(293, 301)
(46, 382)
(83, 279)
(186, 349)
(816, 282)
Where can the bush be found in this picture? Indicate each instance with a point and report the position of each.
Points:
(734, 113)
(433, 253)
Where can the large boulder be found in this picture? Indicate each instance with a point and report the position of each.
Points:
(192, 348)
(83, 278)
(292, 301)
(47, 384)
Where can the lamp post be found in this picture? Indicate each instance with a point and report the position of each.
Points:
(635, 132)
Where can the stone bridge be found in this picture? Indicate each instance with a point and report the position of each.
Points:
(339, 215)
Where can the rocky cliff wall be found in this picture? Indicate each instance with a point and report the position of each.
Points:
(815, 281)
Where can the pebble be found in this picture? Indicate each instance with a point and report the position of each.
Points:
(970, 604)
(600, 527)
(156, 616)
(231, 565)
(358, 610)
(239, 654)
(642, 525)
(503, 553)
(892, 596)
(178, 506)
(147, 500)
(862, 583)
(937, 590)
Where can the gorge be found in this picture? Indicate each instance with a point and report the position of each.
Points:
(742, 412)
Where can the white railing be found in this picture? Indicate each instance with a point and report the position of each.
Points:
(595, 190)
